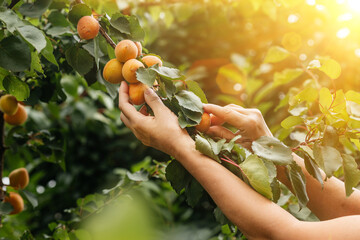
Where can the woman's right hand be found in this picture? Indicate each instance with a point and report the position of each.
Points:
(249, 122)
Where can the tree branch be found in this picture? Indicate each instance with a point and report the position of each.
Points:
(107, 37)
(13, 3)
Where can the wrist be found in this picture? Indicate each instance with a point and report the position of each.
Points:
(183, 147)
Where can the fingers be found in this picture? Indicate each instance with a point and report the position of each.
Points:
(221, 132)
(155, 103)
(227, 114)
(125, 120)
(125, 106)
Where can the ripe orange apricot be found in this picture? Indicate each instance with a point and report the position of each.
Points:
(151, 60)
(18, 118)
(139, 47)
(205, 123)
(126, 50)
(136, 93)
(113, 71)
(88, 27)
(8, 104)
(16, 202)
(19, 178)
(129, 70)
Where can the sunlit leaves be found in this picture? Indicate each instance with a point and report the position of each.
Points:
(312, 168)
(273, 150)
(196, 89)
(276, 54)
(291, 121)
(286, 76)
(146, 76)
(129, 25)
(257, 174)
(353, 96)
(325, 99)
(328, 66)
(10, 18)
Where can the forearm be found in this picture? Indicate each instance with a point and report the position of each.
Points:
(328, 202)
(256, 216)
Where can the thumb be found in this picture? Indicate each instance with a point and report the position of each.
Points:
(153, 100)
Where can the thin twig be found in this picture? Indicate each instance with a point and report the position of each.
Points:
(107, 37)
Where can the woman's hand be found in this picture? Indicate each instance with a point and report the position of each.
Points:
(161, 131)
(250, 123)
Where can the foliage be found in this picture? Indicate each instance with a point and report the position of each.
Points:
(76, 148)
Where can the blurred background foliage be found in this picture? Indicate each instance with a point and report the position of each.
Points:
(77, 150)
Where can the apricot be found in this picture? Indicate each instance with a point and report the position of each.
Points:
(205, 123)
(19, 178)
(139, 47)
(113, 71)
(129, 70)
(18, 118)
(136, 93)
(151, 60)
(88, 27)
(16, 202)
(8, 104)
(126, 50)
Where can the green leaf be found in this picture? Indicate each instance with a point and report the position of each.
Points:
(167, 73)
(291, 121)
(193, 192)
(10, 18)
(15, 54)
(61, 234)
(328, 66)
(5, 208)
(203, 146)
(195, 88)
(121, 23)
(177, 175)
(36, 9)
(129, 25)
(298, 183)
(47, 52)
(35, 63)
(112, 89)
(325, 99)
(351, 173)
(286, 76)
(312, 168)
(189, 100)
(328, 159)
(331, 138)
(146, 76)
(31, 198)
(273, 150)
(217, 146)
(275, 188)
(309, 94)
(353, 96)
(34, 36)
(16, 87)
(195, 117)
(276, 54)
(257, 174)
(78, 11)
(79, 59)
(56, 18)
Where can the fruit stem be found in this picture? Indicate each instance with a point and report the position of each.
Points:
(107, 37)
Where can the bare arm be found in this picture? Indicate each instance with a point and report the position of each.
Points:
(327, 203)
(256, 216)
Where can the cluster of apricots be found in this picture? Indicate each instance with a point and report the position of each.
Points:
(128, 60)
(19, 179)
(14, 113)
